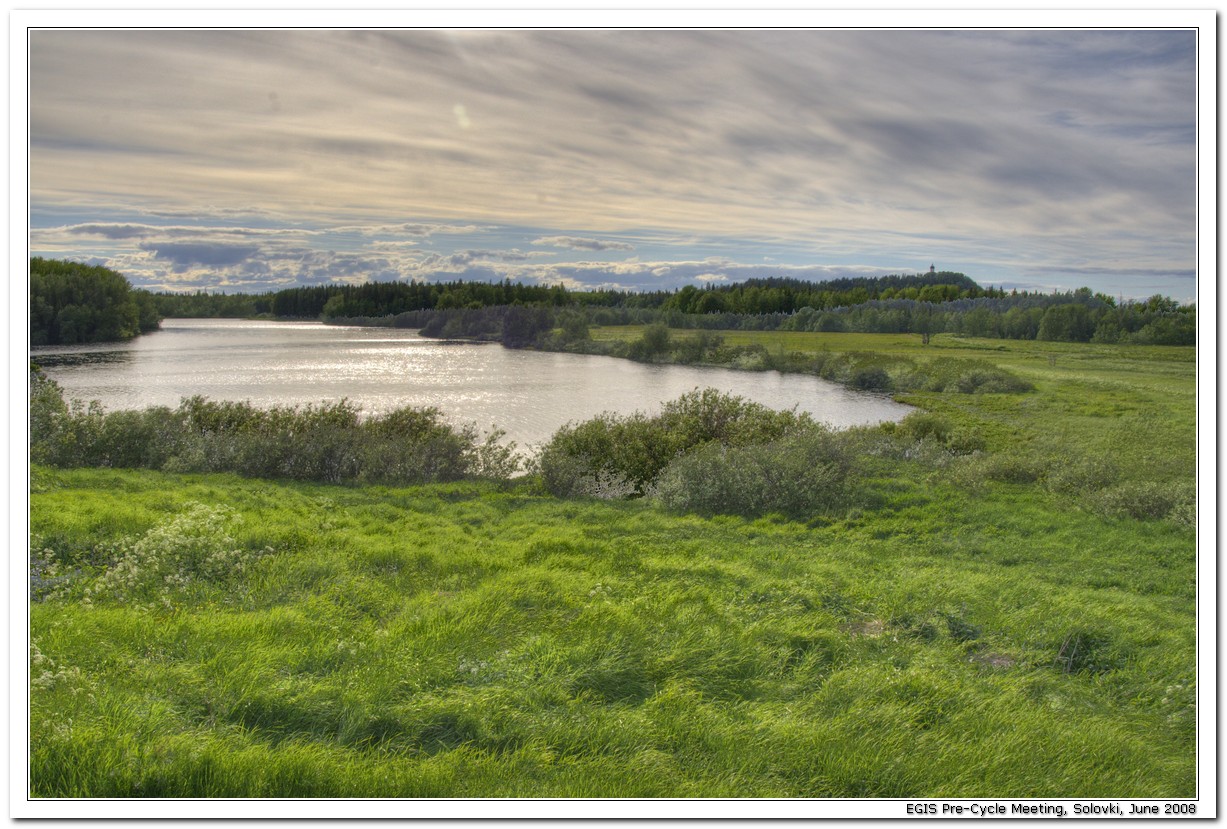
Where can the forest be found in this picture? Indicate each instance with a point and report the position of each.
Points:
(71, 302)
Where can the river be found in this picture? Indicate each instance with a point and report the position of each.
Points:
(529, 394)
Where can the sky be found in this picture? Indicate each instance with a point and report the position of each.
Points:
(248, 160)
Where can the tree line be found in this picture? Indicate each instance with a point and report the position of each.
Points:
(754, 296)
(71, 302)
(1072, 316)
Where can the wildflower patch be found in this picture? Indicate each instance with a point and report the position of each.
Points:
(194, 547)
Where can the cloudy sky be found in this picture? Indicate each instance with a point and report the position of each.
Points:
(256, 160)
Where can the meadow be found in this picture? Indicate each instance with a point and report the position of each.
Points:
(1001, 604)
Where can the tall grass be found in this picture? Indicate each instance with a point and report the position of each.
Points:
(459, 640)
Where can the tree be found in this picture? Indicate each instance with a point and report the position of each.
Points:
(522, 325)
(655, 339)
(1067, 323)
(924, 322)
(71, 302)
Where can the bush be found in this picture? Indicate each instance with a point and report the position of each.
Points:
(1009, 467)
(799, 476)
(411, 445)
(52, 439)
(328, 442)
(132, 439)
(925, 426)
(613, 453)
(964, 376)
(1147, 500)
(871, 379)
(1080, 475)
(964, 441)
(607, 450)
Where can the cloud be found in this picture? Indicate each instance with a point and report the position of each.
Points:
(183, 254)
(463, 258)
(398, 245)
(1070, 147)
(145, 231)
(111, 231)
(582, 243)
(409, 229)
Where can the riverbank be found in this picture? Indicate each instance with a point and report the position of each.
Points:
(527, 393)
(1130, 406)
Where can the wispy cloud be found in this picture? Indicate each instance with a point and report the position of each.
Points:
(581, 243)
(408, 229)
(143, 231)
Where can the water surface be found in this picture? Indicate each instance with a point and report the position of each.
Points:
(529, 394)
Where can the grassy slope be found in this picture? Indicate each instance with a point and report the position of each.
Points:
(466, 641)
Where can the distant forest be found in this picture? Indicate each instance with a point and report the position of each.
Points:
(527, 315)
(73, 303)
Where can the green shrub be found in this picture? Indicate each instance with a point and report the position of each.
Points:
(871, 379)
(989, 380)
(1147, 500)
(52, 438)
(327, 442)
(1009, 467)
(947, 374)
(576, 476)
(615, 453)
(411, 445)
(492, 459)
(655, 341)
(925, 426)
(799, 476)
(606, 453)
(964, 441)
(131, 439)
(1080, 475)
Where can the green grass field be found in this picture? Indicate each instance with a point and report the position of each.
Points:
(957, 634)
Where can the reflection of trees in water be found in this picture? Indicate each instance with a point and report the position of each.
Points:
(89, 358)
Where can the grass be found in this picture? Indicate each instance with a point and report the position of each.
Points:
(959, 634)
(466, 642)
(1135, 404)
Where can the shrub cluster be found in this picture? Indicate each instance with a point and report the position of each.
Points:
(923, 427)
(876, 372)
(329, 442)
(948, 374)
(1175, 501)
(614, 454)
(1094, 483)
(800, 475)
